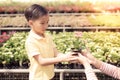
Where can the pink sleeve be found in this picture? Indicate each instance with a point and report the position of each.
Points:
(90, 75)
(110, 70)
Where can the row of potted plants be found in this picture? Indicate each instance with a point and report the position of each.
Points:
(56, 6)
(107, 20)
(103, 45)
(62, 7)
(13, 52)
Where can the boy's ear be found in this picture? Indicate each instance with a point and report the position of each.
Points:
(30, 22)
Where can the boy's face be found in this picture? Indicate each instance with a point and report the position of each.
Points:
(39, 25)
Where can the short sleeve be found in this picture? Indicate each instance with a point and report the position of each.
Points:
(32, 49)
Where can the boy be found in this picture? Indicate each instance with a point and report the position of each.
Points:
(40, 48)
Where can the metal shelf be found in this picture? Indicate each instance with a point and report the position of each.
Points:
(63, 14)
(64, 29)
(50, 28)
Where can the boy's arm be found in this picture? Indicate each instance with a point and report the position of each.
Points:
(57, 53)
(59, 57)
(47, 61)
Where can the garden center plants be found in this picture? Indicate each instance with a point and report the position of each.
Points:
(105, 20)
(104, 46)
(13, 52)
(64, 6)
(53, 7)
(80, 20)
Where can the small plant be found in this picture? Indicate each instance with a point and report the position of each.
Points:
(79, 42)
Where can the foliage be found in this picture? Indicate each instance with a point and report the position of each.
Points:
(54, 6)
(105, 20)
(66, 41)
(13, 51)
(103, 45)
(64, 6)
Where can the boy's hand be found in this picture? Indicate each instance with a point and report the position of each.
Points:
(67, 57)
(75, 58)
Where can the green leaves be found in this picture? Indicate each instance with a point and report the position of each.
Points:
(66, 41)
(103, 45)
(14, 49)
(105, 20)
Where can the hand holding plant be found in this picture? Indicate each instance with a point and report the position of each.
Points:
(85, 52)
(66, 57)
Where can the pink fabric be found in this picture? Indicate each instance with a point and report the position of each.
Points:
(110, 70)
(90, 75)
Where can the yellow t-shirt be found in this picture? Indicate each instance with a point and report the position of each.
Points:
(35, 45)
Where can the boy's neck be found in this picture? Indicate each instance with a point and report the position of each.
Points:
(41, 35)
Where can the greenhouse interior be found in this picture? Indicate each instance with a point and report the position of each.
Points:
(75, 26)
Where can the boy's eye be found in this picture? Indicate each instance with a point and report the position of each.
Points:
(42, 23)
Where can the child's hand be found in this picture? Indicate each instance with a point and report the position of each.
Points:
(75, 58)
(67, 57)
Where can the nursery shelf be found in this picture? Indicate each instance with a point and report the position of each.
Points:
(96, 28)
(60, 74)
(63, 14)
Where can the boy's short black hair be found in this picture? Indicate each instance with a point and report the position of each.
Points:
(35, 11)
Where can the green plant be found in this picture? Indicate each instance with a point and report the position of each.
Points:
(104, 46)
(105, 20)
(14, 49)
